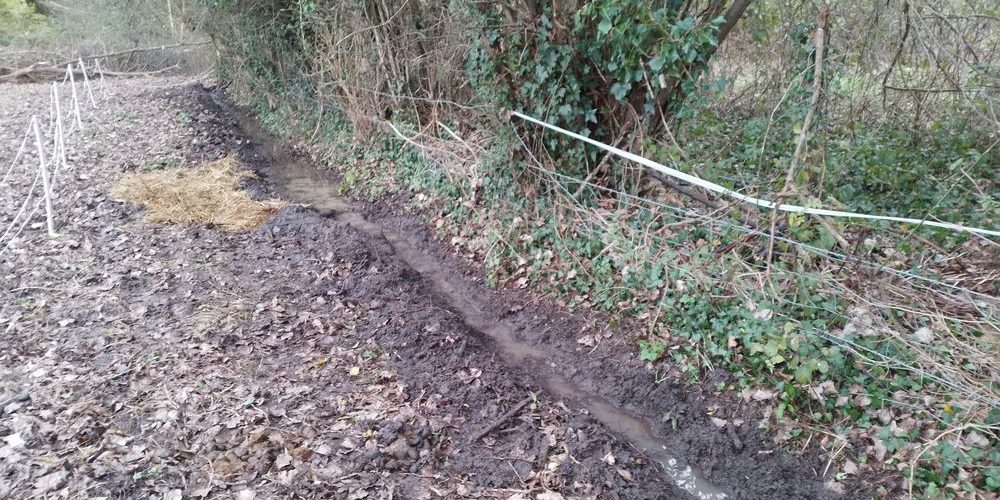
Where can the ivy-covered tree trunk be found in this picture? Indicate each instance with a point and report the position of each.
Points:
(735, 11)
(606, 67)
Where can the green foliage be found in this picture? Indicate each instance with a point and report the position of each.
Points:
(890, 171)
(18, 20)
(72, 28)
(586, 71)
(651, 350)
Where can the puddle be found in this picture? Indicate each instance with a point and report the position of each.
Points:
(298, 181)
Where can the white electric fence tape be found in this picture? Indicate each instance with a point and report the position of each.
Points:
(48, 168)
(24, 142)
(742, 197)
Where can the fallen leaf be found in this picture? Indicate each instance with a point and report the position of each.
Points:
(51, 481)
(283, 460)
(835, 487)
(880, 450)
(14, 440)
(850, 467)
(358, 494)
(977, 440)
(246, 495)
(625, 474)
(758, 394)
(549, 495)
(202, 491)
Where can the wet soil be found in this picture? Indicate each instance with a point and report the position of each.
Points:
(339, 351)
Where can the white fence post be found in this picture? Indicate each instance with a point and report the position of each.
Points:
(46, 191)
(76, 102)
(52, 107)
(60, 141)
(100, 71)
(86, 84)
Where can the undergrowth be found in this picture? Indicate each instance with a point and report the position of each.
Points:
(851, 353)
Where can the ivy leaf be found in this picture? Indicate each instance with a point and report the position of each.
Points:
(690, 54)
(651, 351)
(656, 63)
(605, 26)
(682, 26)
(993, 417)
(804, 374)
(620, 90)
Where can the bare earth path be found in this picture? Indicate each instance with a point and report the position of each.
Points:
(306, 359)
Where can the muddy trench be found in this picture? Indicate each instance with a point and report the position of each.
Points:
(536, 343)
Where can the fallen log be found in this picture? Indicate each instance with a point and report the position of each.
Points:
(42, 72)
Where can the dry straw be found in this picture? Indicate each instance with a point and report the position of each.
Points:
(209, 194)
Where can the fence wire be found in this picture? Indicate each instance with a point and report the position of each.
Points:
(54, 135)
(983, 303)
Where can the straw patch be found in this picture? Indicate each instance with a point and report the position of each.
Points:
(209, 194)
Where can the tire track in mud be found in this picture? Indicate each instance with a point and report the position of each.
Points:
(739, 461)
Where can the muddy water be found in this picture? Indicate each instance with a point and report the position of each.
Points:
(300, 182)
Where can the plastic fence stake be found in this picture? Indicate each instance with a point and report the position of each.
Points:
(46, 191)
(76, 102)
(86, 84)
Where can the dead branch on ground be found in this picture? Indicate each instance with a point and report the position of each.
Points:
(43, 70)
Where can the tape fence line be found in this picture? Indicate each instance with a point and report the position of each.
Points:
(856, 348)
(830, 254)
(49, 167)
(20, 150)
(761, 203)
(86, 84)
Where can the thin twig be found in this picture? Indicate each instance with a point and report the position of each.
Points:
(500, 421)
(899, 50)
